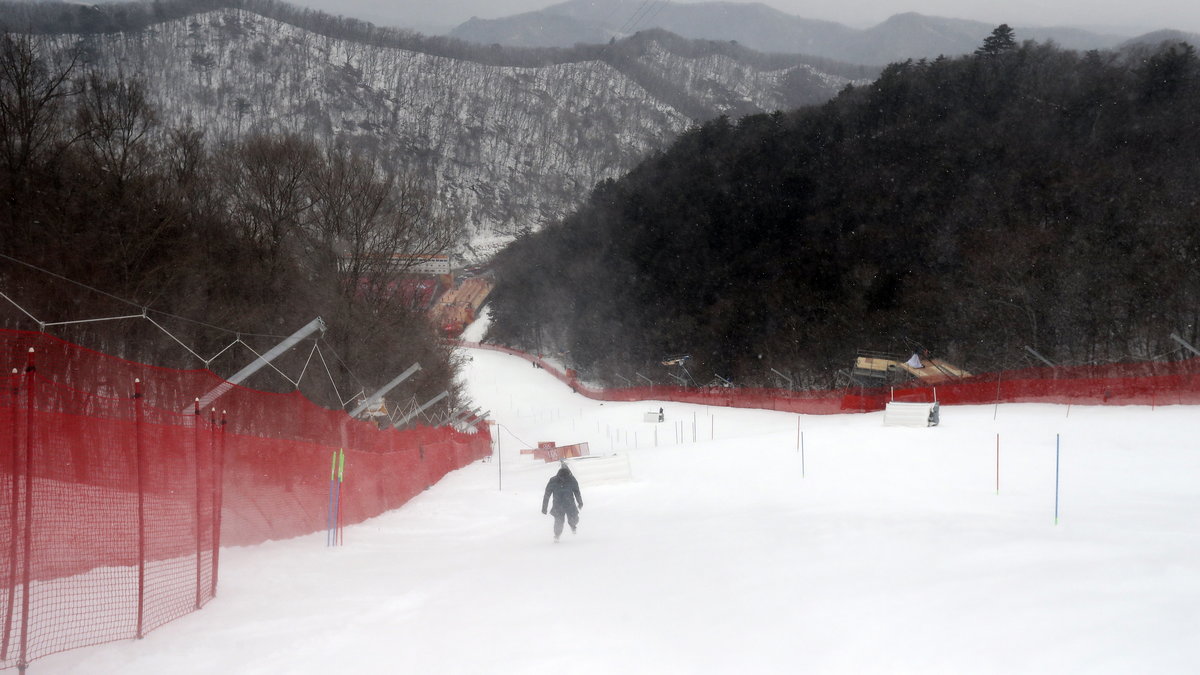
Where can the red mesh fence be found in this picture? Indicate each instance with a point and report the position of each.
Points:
(114, 505)
(1149, 383)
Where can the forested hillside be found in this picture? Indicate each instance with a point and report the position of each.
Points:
(507, 138)
(1024, 195)
(108, 212)
(249, 165)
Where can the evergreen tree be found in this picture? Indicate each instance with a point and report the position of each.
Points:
(974, 205)
(1001, 40)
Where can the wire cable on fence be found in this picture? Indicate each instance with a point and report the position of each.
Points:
(519, 439)
(145, 314)
(331, 380)
(145, 309)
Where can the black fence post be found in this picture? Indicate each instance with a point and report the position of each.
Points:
(139, 457)
(14, 522)
(27, 562)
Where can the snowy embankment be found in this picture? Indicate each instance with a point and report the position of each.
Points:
(875, 550)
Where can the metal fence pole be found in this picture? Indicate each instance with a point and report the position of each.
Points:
(213, 449)
(15, 505)
(30, 403)
(199, 510)
(139, 457)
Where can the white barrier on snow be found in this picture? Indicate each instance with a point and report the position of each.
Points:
(900, 414)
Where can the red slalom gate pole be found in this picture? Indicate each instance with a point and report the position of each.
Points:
(997, 463)
(1057, 446)
(803, 473)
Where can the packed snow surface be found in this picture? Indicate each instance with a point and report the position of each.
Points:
(746, 541)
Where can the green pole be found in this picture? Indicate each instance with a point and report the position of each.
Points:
(338, 536)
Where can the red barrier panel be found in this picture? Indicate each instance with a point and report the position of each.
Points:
(1163, 383)
(116, 495)
(1148, 383)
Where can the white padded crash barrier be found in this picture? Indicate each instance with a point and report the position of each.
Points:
(597, 470)
(900, 414)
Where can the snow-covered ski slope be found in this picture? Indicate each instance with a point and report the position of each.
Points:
(876, 550)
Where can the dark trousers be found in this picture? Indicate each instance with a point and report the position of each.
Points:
(572, 517)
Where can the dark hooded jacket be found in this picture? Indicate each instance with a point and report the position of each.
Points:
(565, 489)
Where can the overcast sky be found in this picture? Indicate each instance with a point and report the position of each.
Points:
(1133, 17)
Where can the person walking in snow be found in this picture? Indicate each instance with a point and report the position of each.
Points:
(565, 490)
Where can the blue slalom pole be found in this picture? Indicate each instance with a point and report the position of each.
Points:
(1057, 445)
(329, 518)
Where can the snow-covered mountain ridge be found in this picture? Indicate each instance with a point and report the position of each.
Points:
(510, 148)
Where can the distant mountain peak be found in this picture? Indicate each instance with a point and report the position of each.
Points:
(759, 27)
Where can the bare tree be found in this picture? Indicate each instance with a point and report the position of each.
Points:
(34, 89)
(373, 225)
(266, 180)
(115, 120)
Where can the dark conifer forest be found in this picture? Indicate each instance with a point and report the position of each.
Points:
(1021, 196)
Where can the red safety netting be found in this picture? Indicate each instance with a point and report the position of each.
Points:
(1149, 383)
(116, 495)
